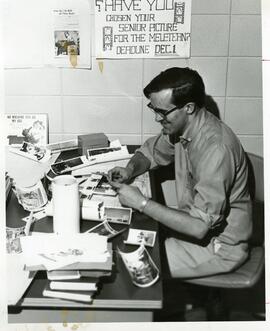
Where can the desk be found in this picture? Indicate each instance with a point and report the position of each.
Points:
(118, 299)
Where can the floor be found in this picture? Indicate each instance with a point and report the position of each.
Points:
(184, 302)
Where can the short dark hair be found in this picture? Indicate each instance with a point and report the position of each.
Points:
(186, 83)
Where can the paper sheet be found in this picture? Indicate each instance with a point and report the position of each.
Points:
(56, 251)
(38, 33)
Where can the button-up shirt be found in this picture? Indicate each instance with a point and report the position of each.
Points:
(211, 176)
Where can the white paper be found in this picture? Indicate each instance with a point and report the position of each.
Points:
(56, 251)
(31, 128)
(30, 29)
(36, 153)
(102, 167)
(142, 29)
(138, 237)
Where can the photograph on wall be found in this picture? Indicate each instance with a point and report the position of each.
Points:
(65, 39)
(142, 29)
(30, 128)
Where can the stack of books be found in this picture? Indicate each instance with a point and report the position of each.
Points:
(74, 263)
(70, 285)
(8, 185)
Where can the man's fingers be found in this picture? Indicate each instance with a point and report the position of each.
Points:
(115, 185)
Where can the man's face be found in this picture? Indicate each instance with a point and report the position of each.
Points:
(176, 121)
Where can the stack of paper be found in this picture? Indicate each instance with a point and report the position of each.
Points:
(71, 252)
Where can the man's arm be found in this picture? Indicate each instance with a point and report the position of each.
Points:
(177, 220)
(136, 166)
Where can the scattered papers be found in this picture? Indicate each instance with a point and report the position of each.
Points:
(90, 210)
(13, 242)
(33, 152)
(107, 154)
(55, 251)
(140, 267)
(138, 237)
(104, 229)
(118, 215)
(107, 201)
(98, 184)
(36, 216)
(62, 146)
(143, 184)
(62, 167)
(101, 167)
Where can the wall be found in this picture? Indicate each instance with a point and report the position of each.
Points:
(225, 49)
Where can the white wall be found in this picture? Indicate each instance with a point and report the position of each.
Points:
(225, 49)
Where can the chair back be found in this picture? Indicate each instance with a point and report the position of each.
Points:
(256, 187)
(256, 177)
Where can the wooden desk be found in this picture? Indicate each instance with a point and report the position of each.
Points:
(118, 299)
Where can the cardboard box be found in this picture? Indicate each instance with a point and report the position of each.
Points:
(93, 140)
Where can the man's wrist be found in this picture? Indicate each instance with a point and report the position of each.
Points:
(129, 169)
(143, 204)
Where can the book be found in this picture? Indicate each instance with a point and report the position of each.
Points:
(62, 146)
(78, 285)
(73, 296)
(95, 273)
(63, 274)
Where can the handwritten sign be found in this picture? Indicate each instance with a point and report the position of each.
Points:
(142, 28)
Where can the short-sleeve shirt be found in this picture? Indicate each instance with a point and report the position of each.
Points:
(211, 176)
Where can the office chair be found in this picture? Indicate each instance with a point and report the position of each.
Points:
(247, 275)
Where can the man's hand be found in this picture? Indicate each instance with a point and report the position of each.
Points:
(129, 196)
(119, 175)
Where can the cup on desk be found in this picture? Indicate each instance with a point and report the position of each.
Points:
(66, 205)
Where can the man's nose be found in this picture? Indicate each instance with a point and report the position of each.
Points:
(158, 117)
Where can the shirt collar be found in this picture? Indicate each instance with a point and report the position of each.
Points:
(193, 128)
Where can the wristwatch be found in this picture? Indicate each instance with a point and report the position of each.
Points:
(143, 205)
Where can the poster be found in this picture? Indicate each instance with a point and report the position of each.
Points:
(31, 128)
(66, 31)
(47, 34)
(142, 28)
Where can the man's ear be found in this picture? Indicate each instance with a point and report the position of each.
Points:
(190, 108)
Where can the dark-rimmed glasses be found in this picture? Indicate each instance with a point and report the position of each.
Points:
(162, 112)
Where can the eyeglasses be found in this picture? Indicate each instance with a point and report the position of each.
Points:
(162, 112)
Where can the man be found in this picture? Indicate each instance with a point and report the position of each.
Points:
(212, 225)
